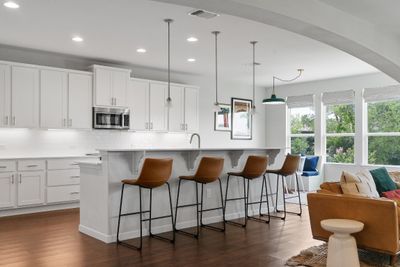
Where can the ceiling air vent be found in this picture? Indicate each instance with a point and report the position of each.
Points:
(203, 14)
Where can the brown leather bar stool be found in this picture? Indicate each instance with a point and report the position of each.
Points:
(289, 167)
(154, 173)
(209, 171)
(255, 167)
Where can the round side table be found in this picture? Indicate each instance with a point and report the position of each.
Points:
(342, 247)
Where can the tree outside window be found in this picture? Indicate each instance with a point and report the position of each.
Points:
(302, 130)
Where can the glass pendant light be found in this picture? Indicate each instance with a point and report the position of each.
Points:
(277, 100)
(217, 106)
(169, 100)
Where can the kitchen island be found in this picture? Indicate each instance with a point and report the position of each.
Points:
(101, 189)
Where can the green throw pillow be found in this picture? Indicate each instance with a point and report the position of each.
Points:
(382, 180)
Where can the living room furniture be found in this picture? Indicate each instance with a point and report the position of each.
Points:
(255, 168)
(289, 168)
(342, 247)
(380, 217)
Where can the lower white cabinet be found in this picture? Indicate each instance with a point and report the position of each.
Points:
(63, 193)
(7, 190)
(31, 188)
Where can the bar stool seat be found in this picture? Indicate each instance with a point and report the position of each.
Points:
(154, 173)
(254, 168)
(209, 170)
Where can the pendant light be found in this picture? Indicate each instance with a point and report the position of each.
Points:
(217, 106)
(253, 108)
(277, 100)
(169, 21)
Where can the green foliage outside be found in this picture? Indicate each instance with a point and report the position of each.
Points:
(302, 123)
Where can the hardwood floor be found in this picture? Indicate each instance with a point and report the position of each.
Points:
(52, 239)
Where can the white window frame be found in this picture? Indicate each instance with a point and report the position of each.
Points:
(305, 135)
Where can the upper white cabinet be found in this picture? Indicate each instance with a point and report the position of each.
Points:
(5, 95)
(80, 101)
(65, 99)
(24, 97)
(138, 103)
(110, 86)
(184, 111)
(53, 99)
(158, 107)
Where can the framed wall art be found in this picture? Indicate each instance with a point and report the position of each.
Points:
(241, 119)
(222, 118)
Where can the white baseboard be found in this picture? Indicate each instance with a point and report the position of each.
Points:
(36, 209)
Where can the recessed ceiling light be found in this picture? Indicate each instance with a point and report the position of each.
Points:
(141, 50)
(192, 39)
(191, 60)
(77, 39)
(11, 4)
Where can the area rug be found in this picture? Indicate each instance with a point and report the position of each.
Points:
(316, 257)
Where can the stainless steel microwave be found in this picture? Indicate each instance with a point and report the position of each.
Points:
(111, 118)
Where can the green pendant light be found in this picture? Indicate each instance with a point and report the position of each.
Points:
(274, 100)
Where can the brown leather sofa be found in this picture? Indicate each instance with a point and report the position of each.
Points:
(380, 218)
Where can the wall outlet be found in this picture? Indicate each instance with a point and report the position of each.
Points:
(208, 192)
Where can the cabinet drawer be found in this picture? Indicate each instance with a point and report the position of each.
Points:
(63, 193)
(8, 166)
(31, 165)
(62, 164)
(63, 177)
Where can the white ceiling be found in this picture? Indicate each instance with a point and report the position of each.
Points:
(382, 13)
(113, 30)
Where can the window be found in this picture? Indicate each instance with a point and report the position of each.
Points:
(384, 132)
(340, 126)
(302, 116)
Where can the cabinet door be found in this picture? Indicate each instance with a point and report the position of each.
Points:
(103, 96)
(176, 110)
(79, 101)
(7, 190)
(31, 187)
(138, 103)
(119, 86)
(25, 97)
(5, 95)
(192, 109)
(53, 99)
(158, 107)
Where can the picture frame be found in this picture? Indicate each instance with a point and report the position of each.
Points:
(222, 119)
(242, 120)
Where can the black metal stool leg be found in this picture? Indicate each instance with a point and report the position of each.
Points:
(284, 198)
(257, 202)
(119, 214)
(222, 203)
(207, 226)
(172, 213)
(177, 202)
(277, 193)
(150, 205)
(226, 196)
(230, 199)
(298, 192)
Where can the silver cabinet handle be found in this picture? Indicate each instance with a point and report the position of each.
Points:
(3, 167)
(13, 121)
(74, 164)
(6, 120)
(151, 126)
(20, 178)
(146, 125)
(64, 122)
(74, 193)
(12, 179)
(31, 166)
(74, 177)
(115, 101)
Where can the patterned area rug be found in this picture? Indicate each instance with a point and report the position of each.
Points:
(316, 257)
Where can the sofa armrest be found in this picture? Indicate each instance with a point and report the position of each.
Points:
(380, 218)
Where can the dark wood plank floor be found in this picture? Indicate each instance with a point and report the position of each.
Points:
(52, 239)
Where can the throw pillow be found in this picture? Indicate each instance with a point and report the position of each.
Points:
(311, 164)
(360, 183)
(382, 180)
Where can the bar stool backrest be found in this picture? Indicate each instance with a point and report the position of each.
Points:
(155, 172)
(255, 166)
(209, 169)
(290, 165)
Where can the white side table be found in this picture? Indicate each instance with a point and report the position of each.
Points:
(342, 247)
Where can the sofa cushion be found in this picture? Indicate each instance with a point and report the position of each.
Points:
(333, 187)
(310, 173)
(310, 164)
(360, 183)
(382, 180)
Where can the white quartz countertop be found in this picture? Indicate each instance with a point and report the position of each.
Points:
(49, 156)
(187, 149)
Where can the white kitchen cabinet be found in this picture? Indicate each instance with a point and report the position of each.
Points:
(110, 86)
(5, 95)
(31, 188)
(191, 109)
(7, 189)
(60, 194)
(138, 103)
(79, 101)
(24, 97)
(53, 99)
(158, 107)
(176, 111)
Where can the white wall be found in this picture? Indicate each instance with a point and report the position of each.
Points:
(23, 141)
(332, 171)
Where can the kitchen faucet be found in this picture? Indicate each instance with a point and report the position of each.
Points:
(193, 135)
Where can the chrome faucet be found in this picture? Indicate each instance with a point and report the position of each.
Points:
(193, 135)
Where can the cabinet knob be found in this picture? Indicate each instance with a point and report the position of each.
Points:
(6, 120)
(20, 178)
(13, 121)
(12, 178)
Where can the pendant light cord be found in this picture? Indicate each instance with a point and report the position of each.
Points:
(284, 80)
(168, 21)
(216, 65)
(254, 72)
